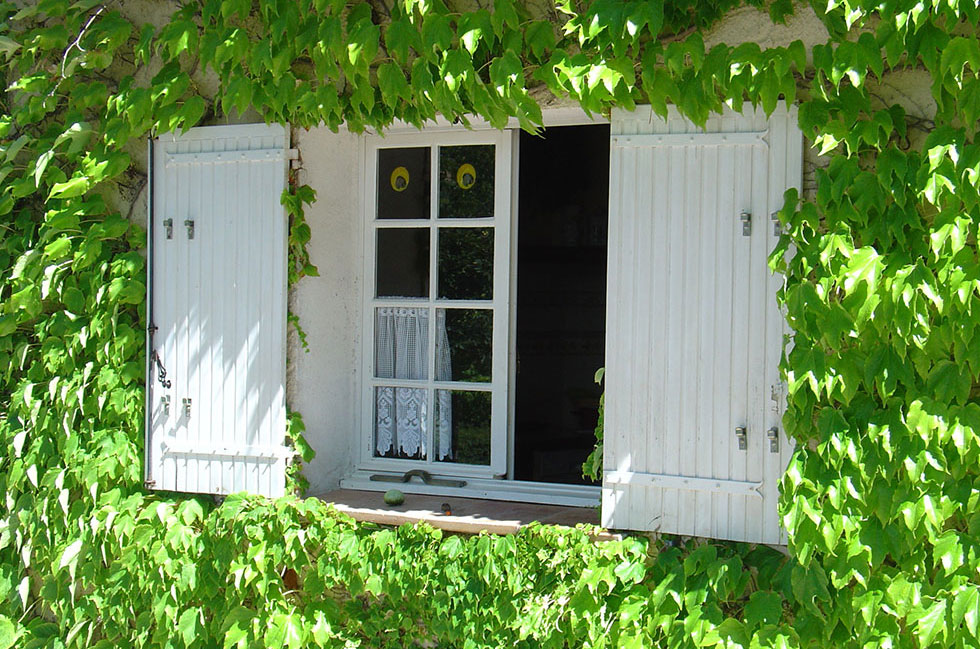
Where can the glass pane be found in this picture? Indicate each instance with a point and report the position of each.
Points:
(403, 262)
(466, 263)
(462, 427)
(466, 181)
(400, 422)
(403, 183)
(464, 345)
(401, 343)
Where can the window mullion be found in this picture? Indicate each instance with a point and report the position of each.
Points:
(433, 278)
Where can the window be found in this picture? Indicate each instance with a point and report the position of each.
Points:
(464, 376)
(436, 319)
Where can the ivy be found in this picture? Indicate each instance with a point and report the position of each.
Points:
(881, 292)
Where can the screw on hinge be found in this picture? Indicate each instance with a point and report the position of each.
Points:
(746, 218)
(740, 436)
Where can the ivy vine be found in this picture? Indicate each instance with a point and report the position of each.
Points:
(881, 501)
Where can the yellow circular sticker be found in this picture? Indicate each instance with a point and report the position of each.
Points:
(399, 179)
(466, 176)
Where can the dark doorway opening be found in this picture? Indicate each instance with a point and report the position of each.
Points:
(561, 299)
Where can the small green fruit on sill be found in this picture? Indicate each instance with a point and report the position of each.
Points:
(394, 497)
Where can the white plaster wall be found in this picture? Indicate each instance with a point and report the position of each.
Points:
(321, 383)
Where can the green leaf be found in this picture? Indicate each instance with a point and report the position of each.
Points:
(930, 622)
(127, 291)
(540, 37)
(764, 607)
(74, 187)
(41, 165)
(393, 84)
(949, 382)
(9, 632)
(8, 324)
(189, 626)
(966, 608)
(948, 552)
(69, 558)
(8, 46)
(73, 299)
(192, 111)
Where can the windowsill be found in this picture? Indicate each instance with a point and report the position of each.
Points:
(468, 515)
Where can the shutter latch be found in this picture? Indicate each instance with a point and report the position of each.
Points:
(773, 436)
(740, 436)
(165, 404)
(187, 407)
(161, 372)
(189, 224)
(746, 219)
(168, 225)
(777, 227)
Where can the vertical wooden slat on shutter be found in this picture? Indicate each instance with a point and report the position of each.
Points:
(693, 333)
(219, 305)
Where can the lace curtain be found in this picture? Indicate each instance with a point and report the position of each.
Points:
(401, 342)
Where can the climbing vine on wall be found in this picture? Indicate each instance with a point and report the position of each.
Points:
(881, 501)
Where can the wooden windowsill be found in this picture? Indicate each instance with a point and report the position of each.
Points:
(468, 515)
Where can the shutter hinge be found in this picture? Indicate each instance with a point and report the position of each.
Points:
(150, 484)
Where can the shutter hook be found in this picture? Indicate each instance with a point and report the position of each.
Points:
(773, 436)
(746, 219)
(161, 372)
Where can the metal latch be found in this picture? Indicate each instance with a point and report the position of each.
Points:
(746, 218)
(777, 227)
(165, 404)
(161, 372)
(187, 407)
(740, 436)
(421, 474)
(189, 224)
(168, 225)
(773, 436)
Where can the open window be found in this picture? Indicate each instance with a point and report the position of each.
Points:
(436, 320)
(484, 312)
(500, 270)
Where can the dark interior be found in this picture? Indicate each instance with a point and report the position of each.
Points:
(561, 299)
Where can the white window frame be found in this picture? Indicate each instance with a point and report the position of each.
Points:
(500, 304)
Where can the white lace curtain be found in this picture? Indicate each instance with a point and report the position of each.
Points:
(401, 345)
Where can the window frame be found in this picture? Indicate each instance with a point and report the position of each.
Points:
(501, 304)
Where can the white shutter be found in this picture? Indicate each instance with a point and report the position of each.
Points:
(217, 311)
(694, 334)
